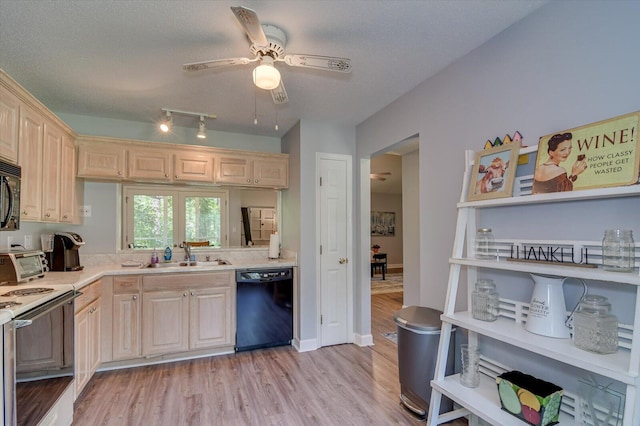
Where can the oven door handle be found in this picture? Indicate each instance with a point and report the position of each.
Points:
(47, 307)
(19, 323)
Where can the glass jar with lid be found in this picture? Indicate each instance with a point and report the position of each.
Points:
(595, 329)
(618, 250)
(484, 244)
(485, 301)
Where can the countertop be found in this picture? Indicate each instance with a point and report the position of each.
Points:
(89, 274)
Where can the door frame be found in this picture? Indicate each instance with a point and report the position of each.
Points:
(350, 254)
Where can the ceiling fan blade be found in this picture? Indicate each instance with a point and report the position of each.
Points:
(279, 94)
(382, 173)
(381, 179)
(216, 63)
(319, 62)
(251, 24)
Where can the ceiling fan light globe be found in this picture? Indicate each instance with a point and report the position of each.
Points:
(266, 76)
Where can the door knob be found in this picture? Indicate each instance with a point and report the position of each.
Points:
(342, 261)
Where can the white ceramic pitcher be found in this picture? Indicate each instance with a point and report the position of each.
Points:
(547, 312)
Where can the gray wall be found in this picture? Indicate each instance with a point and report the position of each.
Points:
(411, 226)
(391, 245)
(561, 67)
(568, 64)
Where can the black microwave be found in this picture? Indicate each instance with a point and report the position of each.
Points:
(9, 196)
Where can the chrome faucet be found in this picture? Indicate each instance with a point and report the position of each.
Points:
(187, 251)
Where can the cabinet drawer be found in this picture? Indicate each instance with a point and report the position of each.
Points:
(124, 285)
(89, 294)
(186, 281)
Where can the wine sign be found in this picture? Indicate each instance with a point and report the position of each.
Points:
(551, 254)
(598, 155)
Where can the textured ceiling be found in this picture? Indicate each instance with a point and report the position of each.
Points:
(123, 59)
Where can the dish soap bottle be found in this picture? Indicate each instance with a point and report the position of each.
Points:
(154, 257)
(167, 254)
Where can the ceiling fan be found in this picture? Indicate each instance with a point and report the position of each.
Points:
(267, 45)
(379, 176)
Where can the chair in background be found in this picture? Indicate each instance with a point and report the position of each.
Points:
(379, 262)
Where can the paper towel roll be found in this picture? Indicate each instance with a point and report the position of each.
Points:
(274, 246)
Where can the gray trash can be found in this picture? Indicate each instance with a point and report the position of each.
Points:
(418, 338)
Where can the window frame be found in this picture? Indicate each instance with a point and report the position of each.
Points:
(179, 195)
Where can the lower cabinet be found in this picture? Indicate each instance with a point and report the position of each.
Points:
(126, 317)
(185, 312)
(87, 335)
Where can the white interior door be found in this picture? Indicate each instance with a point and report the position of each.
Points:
(335, 239)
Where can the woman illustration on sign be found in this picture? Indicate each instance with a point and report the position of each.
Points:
(550, 176)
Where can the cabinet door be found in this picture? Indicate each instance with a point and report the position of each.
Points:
(101, 160)
(149, 164)
(126, 326)
(210, 318)
(194, 167)
(233, 170)
(271, 172)
(9, 125)
(51, 151)
(30, 159)
(165, 322)
(82, 350)
(95, 337)
(68, 196)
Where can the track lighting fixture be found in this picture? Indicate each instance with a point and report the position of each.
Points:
(202, 132)
(167, 121)
(165, 124)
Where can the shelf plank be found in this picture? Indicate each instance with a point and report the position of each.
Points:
(564, 270)
(484, 401)
(555, 197)
(615, 366)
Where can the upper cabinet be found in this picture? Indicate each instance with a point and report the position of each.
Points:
(44, 147)
(101, 160)
(271, 171)
(9, 125)
(139, 161)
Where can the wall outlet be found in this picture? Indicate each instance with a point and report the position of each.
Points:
(28, 242)
(85, 211)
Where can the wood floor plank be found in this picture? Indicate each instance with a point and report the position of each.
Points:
(337, 385)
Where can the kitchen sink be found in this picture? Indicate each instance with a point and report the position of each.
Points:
(189, 264)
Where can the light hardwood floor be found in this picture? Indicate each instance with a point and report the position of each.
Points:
(338, 385)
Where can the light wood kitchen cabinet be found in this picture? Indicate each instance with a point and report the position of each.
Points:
(165, 321)
(187, 312)
(87, 335)
(51, 171)
(193, 166)
(149, 164)
(101, 160)
(210, 318)
(259, 171)
(70, 188)
(30, 159)
(9, 125)
(126, 318)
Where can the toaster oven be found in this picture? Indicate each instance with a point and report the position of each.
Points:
(22, 266)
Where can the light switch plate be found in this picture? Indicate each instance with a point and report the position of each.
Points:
(85, 211)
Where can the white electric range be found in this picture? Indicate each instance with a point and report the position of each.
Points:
(20, 298)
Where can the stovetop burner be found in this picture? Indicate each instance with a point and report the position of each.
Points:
(27, 291)
(9, 304)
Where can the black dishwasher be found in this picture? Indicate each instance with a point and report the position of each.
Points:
(264, 308)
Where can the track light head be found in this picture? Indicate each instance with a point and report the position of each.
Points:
(202, 131)
(165, 124)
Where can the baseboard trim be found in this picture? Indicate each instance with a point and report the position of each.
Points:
(363, 340)
(306, 345)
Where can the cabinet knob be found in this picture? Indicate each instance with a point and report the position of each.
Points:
(119, 173)
(248, 180)
(65, 217)
(48, 215)
(24, 213)
(175, 177)
(256, 180)
(166, 175)
(193, 293)
(135, 297)
(185, 294)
